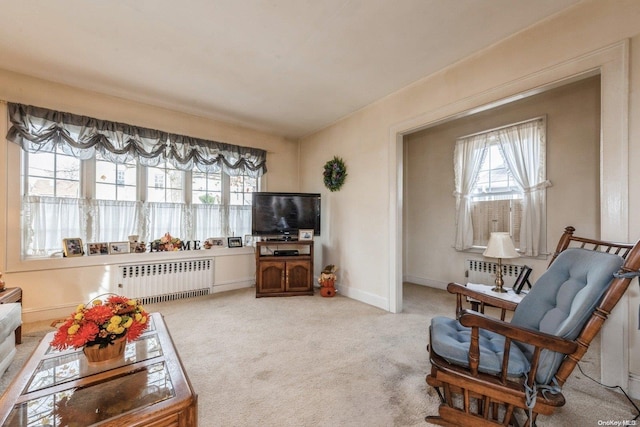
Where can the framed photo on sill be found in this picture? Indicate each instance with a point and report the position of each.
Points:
(305, 234)
(72, 247)
(217, 242)
(101, 248)
(235, 242)
(118, 248)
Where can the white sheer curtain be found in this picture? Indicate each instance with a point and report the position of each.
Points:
(239, 220)
(468, 155)
(48, 220)
(523, 149)
(207, 220)
(162, 218)
(115, 221)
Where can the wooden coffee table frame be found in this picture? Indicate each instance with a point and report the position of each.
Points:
(179, 409)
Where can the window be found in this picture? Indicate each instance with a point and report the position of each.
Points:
(167, 184)
(207, 188)
(115, 181)
(53, 174)
(500, 185)
(496, 198)
(103, 181)
(54, 208)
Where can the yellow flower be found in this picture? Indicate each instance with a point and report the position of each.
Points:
(78, 316)
(128, 323)
(73, 329)
(119, 330)
(79, 308)
(97, 302)
(132, 302)
(115, 320)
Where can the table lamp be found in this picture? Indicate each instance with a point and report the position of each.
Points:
(500, 246)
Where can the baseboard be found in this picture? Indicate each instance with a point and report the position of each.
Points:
(233, 285)
(50, 313)
(425, 282)
(62, 312)
(634, 386)
(365, 297)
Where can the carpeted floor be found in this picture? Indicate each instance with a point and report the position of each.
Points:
(313, 361)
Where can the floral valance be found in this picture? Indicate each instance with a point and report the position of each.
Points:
(38, 129)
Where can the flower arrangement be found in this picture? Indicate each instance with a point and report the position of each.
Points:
(167, 243)
(334, 173)
(101, 323)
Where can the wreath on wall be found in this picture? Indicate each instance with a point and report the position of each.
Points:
(334, 174)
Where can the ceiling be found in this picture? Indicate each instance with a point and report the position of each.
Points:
(288, 67)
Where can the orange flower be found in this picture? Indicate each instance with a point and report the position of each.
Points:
(101, 323)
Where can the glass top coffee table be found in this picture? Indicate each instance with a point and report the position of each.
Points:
(147, 387)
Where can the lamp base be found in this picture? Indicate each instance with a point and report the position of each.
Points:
(499, 290)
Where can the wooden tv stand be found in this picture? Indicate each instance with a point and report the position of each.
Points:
(280, 273)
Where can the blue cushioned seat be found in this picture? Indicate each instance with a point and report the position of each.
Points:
(559, 304)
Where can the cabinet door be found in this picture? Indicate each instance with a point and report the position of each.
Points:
(271, 276)
(298, 276)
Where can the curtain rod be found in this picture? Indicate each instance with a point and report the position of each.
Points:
(543, 117)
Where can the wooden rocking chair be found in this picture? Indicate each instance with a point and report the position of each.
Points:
(551, 330)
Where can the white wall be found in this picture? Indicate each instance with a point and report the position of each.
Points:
(361, 238)
(572, 157)
(52, 287)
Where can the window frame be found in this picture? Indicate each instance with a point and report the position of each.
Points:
(88, 181)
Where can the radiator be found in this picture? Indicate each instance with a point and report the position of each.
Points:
(165, 281)
(484, 272)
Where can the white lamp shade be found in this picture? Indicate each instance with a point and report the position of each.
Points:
(500, 246)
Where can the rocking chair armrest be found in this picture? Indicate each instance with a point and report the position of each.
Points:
(461, 290)
(538, 339)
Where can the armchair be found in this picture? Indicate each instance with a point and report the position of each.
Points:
(550, 331)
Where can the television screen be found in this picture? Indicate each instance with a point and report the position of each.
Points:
(283, 214)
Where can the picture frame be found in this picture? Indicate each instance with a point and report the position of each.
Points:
(235, 242)
(305, 234)
(217, 242)
(97, 248)
(523, 278)
(116, 248)
(72, 247)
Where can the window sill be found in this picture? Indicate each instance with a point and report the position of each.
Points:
(60, 262)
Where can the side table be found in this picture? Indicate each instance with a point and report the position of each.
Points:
(507, 301)
(13, 295)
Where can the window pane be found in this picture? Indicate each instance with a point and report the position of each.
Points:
(53, 174)
(207, 188)
(115, 181)
(165, 184)
(241, 188)
(42, 164)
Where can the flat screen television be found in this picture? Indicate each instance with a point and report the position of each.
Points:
(282, 215)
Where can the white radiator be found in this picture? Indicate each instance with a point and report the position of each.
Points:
(484, 272)
(165, 281)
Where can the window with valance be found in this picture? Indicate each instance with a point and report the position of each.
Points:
(214, 186)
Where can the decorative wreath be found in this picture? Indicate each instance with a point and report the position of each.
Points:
(334, 174)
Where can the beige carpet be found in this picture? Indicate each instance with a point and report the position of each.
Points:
(313, 361)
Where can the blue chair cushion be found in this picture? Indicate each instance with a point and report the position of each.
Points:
(560, 303)
(451, 340)
(562, 300)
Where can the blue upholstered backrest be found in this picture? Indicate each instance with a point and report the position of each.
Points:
(563, 298)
